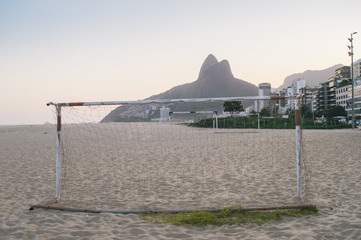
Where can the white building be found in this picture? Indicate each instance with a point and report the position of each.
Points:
(342, 96)
(289, 91)
(297, 85)
(264, 89)
(294, 90)
(164, 114)
(357, 69)
(357, 101)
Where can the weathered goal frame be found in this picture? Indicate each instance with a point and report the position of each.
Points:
(59, 106)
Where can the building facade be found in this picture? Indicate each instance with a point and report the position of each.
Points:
(264, 89)
(357, 69)
(294, 90)
(309, 97)
(335, 91)
(297, 85)
(322, 96)
(357, 101)
(332, 85)
(343, 72)
(342, 96)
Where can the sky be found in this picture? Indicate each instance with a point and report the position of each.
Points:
(109, 50)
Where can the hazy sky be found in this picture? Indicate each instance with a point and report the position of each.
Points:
(85, 50)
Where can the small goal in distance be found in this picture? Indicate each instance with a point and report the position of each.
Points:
(123, 157)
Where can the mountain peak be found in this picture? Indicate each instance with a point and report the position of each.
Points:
(225, 65)
(221, 70)
(210, 61)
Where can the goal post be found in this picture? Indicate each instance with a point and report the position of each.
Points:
(298, 147)
(58, 131)
(128, 157)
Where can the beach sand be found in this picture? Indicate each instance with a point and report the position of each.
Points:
(27, 176)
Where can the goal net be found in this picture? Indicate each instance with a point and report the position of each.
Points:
(174, 155)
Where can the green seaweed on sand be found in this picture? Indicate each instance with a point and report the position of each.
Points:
(227, 216)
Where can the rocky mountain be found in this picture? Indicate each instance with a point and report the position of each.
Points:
(215, 79)
(313, 77)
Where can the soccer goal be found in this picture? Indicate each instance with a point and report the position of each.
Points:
(196, 117)
(174, 155)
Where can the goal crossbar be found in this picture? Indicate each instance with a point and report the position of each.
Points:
(166, 101)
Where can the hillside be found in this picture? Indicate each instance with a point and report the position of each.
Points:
(313, 77)
(215, 79)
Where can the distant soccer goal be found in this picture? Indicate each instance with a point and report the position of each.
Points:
(195, 117)
(174, 155)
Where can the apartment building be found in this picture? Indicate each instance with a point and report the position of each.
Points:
(357, 69)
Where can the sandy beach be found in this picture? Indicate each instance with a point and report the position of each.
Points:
(27, 176)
